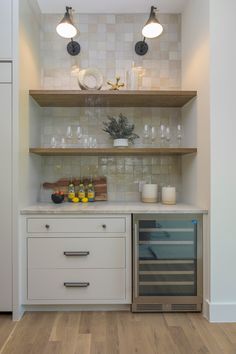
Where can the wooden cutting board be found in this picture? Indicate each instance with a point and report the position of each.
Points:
(100, 186)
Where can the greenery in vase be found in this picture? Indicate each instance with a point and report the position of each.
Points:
(120, 128)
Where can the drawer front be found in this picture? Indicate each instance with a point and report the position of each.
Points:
(79, 225)
(5, 72)
(76, 252)
(72, 284)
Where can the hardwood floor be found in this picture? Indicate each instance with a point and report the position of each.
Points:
(114, 333)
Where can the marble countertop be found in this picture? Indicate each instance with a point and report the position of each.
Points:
(111, 208)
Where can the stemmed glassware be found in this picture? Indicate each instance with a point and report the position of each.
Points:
(153, 134)
(162, 134)
(69, 133)
(146, 131)
(79, 132)
(53, 142)
(168, 134)
(179, 134)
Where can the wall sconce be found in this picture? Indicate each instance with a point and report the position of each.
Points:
(67, 29)
(151, 29)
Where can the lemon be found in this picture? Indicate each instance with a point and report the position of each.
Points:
(84, 200)
(75, 200)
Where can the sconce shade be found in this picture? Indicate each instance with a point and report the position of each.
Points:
(152, 28)
(66, 28)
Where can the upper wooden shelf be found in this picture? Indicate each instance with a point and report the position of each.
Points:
(111, 151)
(79, 98)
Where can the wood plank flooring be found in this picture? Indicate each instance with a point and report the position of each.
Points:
(114, 333)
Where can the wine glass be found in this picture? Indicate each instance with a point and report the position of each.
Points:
(179, 134)
(53, 142)
(168, 134)
(94, 143)
(162, 133)
(63, 142)
(153, 133)
(69, 133)
(146, 131)
(79, 132)
(85, 141)
(90, 141)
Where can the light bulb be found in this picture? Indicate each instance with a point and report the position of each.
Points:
(66, 30)
(152, 30)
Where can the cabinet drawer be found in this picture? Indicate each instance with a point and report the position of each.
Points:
(98, 284)
(76, 252)
(5, 72)
(79, 225)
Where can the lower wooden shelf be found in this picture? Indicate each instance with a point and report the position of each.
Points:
(111, 151)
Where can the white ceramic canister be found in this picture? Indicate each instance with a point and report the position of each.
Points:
(149, 193)
(169, 195)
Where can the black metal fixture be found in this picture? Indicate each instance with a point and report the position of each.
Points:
(67, 29)
(151, 29)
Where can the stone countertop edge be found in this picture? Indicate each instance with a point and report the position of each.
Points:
(111, 208)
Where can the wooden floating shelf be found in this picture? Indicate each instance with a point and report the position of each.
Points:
(123, 98)
(111, 151)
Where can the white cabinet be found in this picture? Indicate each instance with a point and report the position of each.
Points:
(6, 29)
(77, 260)
(5, 185)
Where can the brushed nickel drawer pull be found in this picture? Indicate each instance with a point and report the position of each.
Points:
(76, 285)
(76, 253)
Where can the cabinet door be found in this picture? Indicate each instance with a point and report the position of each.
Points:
(6, 29)
(6, 195)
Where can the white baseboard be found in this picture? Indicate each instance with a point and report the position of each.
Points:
(222, 312)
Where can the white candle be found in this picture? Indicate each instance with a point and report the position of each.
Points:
(169, 195)
(149, 193)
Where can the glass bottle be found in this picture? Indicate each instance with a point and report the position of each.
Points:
(71, 191)
(91, 192)
(81, 192)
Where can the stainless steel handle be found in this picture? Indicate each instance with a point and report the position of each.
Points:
(135, 261)
(76, 253)
(76, 285)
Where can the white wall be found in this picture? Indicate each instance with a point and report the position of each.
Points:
(196, 116)
(195, 76)
(223, 162)
(30, 78)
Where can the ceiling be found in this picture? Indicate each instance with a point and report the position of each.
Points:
(112, 6)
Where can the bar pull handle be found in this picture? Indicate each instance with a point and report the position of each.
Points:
(136, 260)
(76, 253)
(76, 284)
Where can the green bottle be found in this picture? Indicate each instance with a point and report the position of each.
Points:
(91, 192)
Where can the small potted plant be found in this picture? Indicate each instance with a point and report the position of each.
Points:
(120, 130)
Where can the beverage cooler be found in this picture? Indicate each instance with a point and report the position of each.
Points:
(167, 263)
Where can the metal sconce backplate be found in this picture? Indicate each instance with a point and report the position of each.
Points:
(73, 48)
(141, 48)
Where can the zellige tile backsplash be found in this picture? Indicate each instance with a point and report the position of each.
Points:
(107, 42)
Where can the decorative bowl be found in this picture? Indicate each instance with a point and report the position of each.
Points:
(57, 198)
